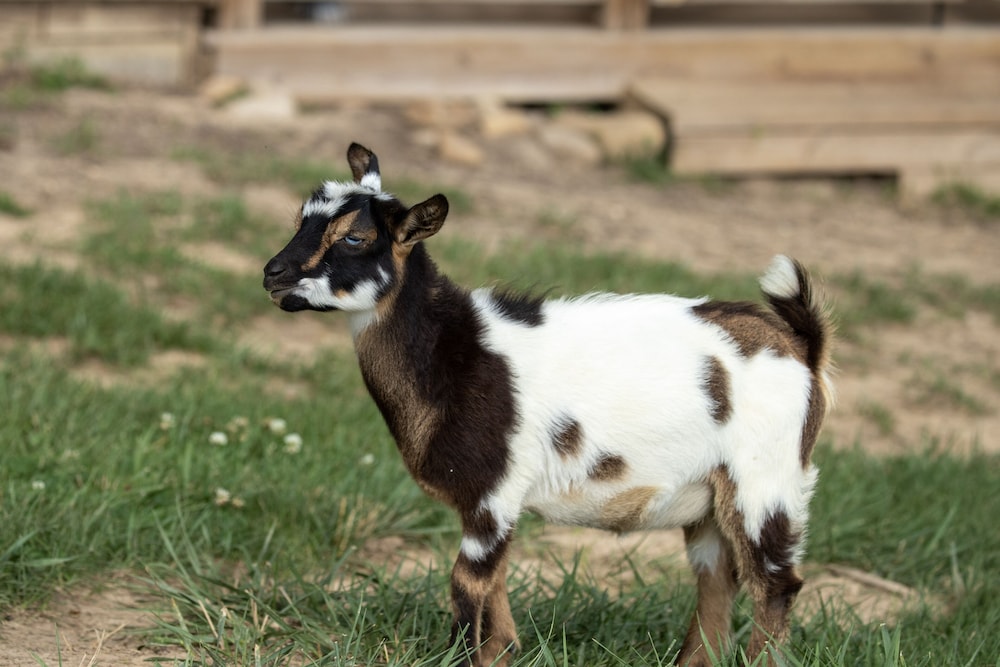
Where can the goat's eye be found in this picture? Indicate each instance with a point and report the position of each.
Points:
(353, 240)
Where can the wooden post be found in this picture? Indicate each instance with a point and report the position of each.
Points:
(625, 14)
(240, 14)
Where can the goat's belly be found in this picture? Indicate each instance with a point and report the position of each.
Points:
(625, 509)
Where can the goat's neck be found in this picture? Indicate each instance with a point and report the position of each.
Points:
(402, 351)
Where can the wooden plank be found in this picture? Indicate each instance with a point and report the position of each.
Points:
(828, 153)
(804, 3)
(581, 64)
(744, 107)
(240, 14)
(625, 14)
(19, 21)
(48, 3)
(467, 2)
(151, 61)
(74, 19)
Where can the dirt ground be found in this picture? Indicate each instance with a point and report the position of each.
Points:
(833, 227)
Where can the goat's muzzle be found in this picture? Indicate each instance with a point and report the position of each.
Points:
(278, 280)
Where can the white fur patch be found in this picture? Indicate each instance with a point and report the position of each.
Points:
(629, 370)
(362, 298)
(704, 551)
(328, 208)
(781, 279)
(475, 549)
(335, 194)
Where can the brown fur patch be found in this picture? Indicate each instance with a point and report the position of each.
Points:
(418, 420)
(730, 522)
(717, 588)
(480, 604)
(773, 592)
(437, 386)
(752, 328)
(567, 438)
(608, 468)
(624, 512)
(498, 627)
(337, 229)
(717, 386)
(814, 420)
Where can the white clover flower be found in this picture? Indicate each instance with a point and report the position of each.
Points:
(293, 443)
(222, 496)
(238, 503)
(367, 460)
(218, 438)
(237, 424)
(167, 421)
(38, 485)
(277, 425)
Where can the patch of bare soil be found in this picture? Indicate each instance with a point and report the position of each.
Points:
(83, 626)
(616, 562)
(898, 385)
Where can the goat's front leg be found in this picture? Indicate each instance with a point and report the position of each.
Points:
(480, 602)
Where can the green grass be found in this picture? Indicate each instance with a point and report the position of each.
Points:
(63, 74)
(879, 415)
(303, 176)
(238, 169)
(969, 198)
(28, 86)
(251, 547)
(133, 235)
(81, 139)
(10, 206)
(564, 269)
(95, 317)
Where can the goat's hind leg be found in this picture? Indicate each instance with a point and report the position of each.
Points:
(766, 562)
(711, 557)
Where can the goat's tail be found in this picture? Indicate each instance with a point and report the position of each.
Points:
(789, 291)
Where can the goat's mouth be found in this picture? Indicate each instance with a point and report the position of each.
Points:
(281, 292)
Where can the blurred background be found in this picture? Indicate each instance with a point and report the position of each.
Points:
(906, 88)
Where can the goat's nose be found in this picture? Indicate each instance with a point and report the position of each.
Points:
(274, 270)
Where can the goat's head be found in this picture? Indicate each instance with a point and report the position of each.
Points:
(350, 243)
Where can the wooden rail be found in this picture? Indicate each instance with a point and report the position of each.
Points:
(919, 96)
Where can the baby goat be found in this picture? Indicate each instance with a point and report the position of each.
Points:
(618, 412)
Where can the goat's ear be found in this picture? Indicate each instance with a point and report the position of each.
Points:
(422, 221)
(364, 166)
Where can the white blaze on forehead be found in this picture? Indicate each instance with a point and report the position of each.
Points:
(328, 208)
(335, 194)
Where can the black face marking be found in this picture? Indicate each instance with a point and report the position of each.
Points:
(317, 250)
(522, 308)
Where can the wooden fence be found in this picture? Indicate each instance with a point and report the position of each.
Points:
(905, 87)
